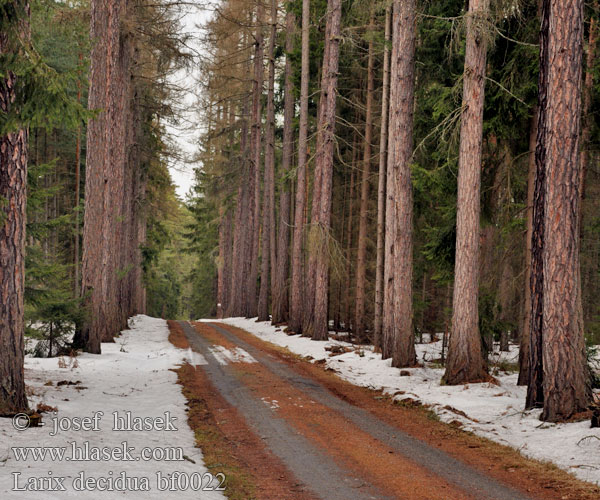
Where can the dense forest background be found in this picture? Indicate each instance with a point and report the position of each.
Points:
(187, 288)
(370, 167)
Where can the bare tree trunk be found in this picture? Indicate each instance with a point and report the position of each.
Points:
(13, 193)
(349, 225)
(255, 148)
(224, 229)
(465, 359)
(381, 190)
(280, 297)
(77, 235)
(361, 254)
(110, 82)
(535, 391)
(242, 226)
(566, 385)
(524, 351)
(324, 168)
(398, 333)
(297, 285)
(268, 230)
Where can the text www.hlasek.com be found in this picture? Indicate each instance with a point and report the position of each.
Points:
(86, 453)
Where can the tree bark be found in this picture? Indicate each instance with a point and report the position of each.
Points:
(110, 81)
(524, 351)
(361, 254)
(13, 193)
(297, 285)
(255, 149)
(381, 190)
(398, 333)
(566, 384)
(465, 359)
(535, 392)
(268, 229)
(280, 297)
(324, 168)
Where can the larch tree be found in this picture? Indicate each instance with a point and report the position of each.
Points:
(104, 219)
(268, 220)
(13, 193)
(255, 157)
(297, 291)
(321, 218)
(398, 335)
(280, 295)
(465, 359)
(361, 254)
(566, 389)
(381, 185)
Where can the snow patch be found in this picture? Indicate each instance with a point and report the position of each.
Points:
(132, 374)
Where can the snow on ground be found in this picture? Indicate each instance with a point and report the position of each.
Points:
(132, 375)
(492, 411)
(225, 356)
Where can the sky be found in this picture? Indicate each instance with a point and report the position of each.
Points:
(185, 135)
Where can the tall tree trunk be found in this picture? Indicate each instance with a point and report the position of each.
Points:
(242, 225)
(535, 390)
(77, 236)
(268, 229)
(324, 168)
(361, 254)
(465, 359)
(398, 333)
(280, 297)
(349, 225)
(255, 149)
(110, 81)
(297, 285)
(566, 384)
(13, 193)
(381, 190)
(223, 269)
(524, 351)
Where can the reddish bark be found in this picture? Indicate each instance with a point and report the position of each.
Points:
(13, 194)
(361, 254)
(398, 335)
(297, 284)
(465, 358)
(381, 190)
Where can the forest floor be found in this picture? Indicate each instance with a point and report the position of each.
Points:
(280, 426)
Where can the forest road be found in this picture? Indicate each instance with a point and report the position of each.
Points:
(335, 449)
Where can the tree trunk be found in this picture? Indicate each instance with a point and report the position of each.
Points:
(398, 334)
(110, 81)
(242, 226)
(535, 392)
(297, 285)
(77, 236)
(381, 190)
(269, 176)
(524, 351)
(255, 149)
(349, 225)
(280, 297)
(566, 385)
(324, 168)
(13, 193)
(465, 359)
(361, 253)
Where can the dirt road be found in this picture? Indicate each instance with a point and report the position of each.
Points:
(330, 441)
